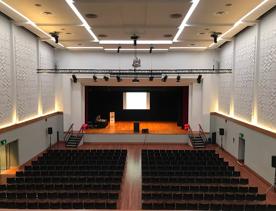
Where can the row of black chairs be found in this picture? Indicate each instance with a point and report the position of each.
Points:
(59, 186)
(211, 173)
(91, 166)
(204, 196)
(187, 168)
(75, 162)
(195, 180)
(207, 206)
(57, 205)
(54, 173)
(60, 195)
(67, 179)
(200, 188)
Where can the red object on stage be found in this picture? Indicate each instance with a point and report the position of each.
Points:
(186, 127)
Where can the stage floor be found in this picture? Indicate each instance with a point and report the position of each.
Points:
(126, 127)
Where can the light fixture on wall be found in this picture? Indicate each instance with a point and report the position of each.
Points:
(106, 78)
(199, 78)
(118, 49)
(164, 78)
(178, 77)
(151, 48)
(95, 78)
(119, 79)
(55, 35)
(215, 35)
(74, 78)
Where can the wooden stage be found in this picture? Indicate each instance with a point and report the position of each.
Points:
(126, 127)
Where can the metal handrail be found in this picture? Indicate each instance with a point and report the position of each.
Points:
(68, 133)
(202, 134)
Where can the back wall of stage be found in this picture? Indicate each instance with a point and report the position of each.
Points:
(166, 104)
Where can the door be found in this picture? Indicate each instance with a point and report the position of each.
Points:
(241, 149)
(3, 158)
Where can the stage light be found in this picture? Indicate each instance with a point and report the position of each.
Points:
(134, 38)
(135, 80)
(95, 78)
(151, 78)
(215, 35)
(55, 35)
(151, 48)
(119, 79)
(199, 78)
(118, 49)
(178, 78)
(74, 78)
(164, 79)
(106, 78)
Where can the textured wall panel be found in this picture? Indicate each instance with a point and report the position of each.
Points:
(266, 97)
(6, 99)
(26, 77)
(46, 61)
(225, 80)
(244, 74)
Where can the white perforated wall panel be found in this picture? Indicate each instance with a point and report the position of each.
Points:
(6, 99)
(225, 80)
(25, 52)
(244, 74)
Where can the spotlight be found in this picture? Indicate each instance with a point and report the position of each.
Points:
(151, 48)
(164, 79)
(118, 49)
(178, 78)
(119, 79)
(151, 78)
(199, 78)
(55, 35)
(215, 35)
(135, 80)
(134, 38)
(106, 78)
(95, 78)
(74, 78)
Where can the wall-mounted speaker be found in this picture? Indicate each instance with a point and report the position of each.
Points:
(50, 130)
(273, 162)
(221, 131)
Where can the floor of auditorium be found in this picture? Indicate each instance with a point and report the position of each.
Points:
(126, 127)
(130, 197)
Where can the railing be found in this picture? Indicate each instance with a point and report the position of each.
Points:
(190, 132)
(68, 133)
(202, 134)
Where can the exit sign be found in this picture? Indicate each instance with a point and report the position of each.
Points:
(3, 142)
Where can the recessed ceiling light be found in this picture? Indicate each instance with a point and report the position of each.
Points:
(68, 33)
(206, 29)
(176, 15)
(63, 29)
(38, 5)
(220, 13)
(102, 35)
(192, 44)
(79, 44)
(201, 33)
(91, 15)
(47, 13)
(167, 35)
(228, 5)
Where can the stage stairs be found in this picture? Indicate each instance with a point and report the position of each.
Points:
(73, 139)
(199, 140)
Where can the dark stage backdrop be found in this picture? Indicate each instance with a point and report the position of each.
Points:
(166, 104)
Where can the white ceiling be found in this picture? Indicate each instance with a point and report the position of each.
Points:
(149, 19)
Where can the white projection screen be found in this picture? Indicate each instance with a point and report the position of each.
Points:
(136, 101)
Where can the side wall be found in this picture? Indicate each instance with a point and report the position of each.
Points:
(73, 94)
(249, 94)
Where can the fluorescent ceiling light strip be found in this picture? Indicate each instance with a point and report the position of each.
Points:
(85, 47)
(240, 21)
(196, 47)
(185, 20)
(28, 21)
(85, 24)
(138, 49)
(141, 42)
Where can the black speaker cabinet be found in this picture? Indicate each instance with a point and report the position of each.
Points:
(145, 130)
(136, 127)
(214, 138)
(273, 163)
(221, 132)
(50, 131)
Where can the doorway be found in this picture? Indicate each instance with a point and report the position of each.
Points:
(241, 153)
(9, 156)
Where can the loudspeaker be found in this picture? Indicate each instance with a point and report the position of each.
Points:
(221, 132)
(136, 127)
(50, 131)
(273, 162)
(145, 130)
(214, 138)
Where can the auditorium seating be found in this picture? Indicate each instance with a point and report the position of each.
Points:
(67, 179)
(195, 180)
